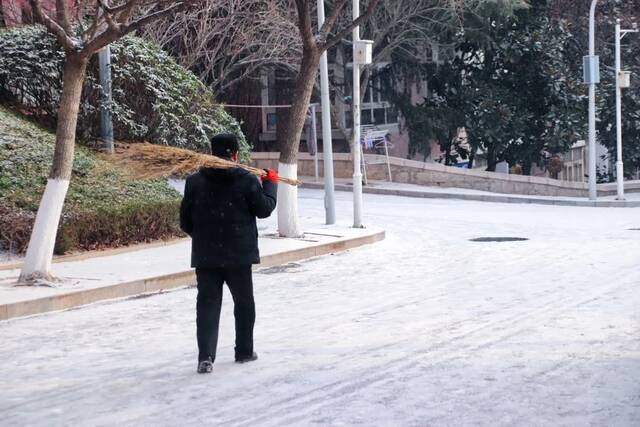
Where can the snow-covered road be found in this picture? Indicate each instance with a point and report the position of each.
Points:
(425, 328)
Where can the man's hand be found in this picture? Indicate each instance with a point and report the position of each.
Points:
(271, 176)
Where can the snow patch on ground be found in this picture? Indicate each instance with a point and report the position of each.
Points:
(424, 328)
(6, 256)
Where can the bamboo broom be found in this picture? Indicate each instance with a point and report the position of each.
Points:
(153, 161)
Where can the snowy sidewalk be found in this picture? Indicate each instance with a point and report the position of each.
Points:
(424, 192)
(156, 268)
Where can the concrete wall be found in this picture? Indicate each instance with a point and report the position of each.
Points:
(437, 175)
(610, 189)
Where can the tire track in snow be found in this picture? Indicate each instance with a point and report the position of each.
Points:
(337, 390)
(557, 368)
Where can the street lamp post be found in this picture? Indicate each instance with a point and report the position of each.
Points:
(327, 144)
(592, 78)
(357, 174)
(106, 122)
(362, 55)
(621, 83)
(314, 136)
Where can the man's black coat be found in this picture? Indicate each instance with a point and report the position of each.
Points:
(219, 211)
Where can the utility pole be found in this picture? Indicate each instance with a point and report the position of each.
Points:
(622, 82)
(361, 56)
(106, 122)
(327, 143)
(314, 136)
(592, 78)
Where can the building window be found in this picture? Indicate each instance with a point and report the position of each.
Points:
(348, 118)
(376, 106)
(376, 116)
(392, 115)
(272, 121)
(379, 116)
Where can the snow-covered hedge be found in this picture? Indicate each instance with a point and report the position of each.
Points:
(105, 207)
(154, 99)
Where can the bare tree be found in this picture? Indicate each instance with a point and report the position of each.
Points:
(314, 44)
(226, 41)
(406, 29)
(82, 29)
(11, 13)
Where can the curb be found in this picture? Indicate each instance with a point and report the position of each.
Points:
(169, 281)
(99, 253)
(481, 197)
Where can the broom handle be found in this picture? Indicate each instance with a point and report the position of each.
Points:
(261, 173)
(228, 163)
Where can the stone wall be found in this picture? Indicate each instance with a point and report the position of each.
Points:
(436, 175)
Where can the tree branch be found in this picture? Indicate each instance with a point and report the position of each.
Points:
(126, 10)
(117, 9)
(304, 24)
(113, 33)
(63, 37)
(141, 22)
(61, 16)
(331, 42)
(107, 14)
(330, 22)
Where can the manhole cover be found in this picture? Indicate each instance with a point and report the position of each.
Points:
(499, 239)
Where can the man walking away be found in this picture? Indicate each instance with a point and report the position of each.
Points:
(219, 211)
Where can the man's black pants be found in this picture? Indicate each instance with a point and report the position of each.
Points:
(240, 282)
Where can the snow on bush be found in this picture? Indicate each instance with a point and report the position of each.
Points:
(154, 99)
(104, 207)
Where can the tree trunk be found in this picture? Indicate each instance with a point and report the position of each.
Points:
(3, 24)
(491, 160)
(288, 221)
(284, 83)
(301, 97)
(37, 263)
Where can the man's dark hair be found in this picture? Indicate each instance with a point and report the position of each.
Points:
(224, 145)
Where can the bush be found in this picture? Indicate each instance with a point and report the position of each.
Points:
(135, 221)
(516, 169)
(555, 166)
(15, 227)
(154, 99)
(104, 207)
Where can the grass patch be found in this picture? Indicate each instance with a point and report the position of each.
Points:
(105, 206)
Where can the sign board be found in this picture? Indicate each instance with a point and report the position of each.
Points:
(591, 69)
(363, 52)
(625, 79)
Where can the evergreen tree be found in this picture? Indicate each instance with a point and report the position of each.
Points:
(512, 84)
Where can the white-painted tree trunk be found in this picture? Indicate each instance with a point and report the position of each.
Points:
(37, 264)
(288, 221)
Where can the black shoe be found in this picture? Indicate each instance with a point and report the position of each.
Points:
(205, 366)
(244, 359)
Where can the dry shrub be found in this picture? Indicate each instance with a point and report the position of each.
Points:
(105, 207)
(15, 228)
(89, 230)
(556, 164)
(120, 226)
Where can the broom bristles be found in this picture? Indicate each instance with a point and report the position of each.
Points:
(154, 161)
